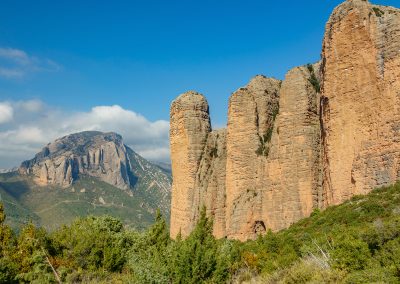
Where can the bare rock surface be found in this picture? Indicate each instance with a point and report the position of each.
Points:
(327, 132)
(190, 126)
(103, 156)
(251, 114)
(291, 186)
(361, 99)
(92, 153)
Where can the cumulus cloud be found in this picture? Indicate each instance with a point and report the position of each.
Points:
(6, 112)
(30, 105)
(36, 124)
(16, 63)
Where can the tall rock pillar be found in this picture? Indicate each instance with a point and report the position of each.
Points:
(360, 99)
(190, 126)
(250, 120)
(292, 176)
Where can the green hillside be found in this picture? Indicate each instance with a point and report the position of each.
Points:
(356, 242)
(53, 206)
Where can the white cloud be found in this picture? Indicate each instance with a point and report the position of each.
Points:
(6, 112)
(35, 124)
(31, 105)
(16, 63)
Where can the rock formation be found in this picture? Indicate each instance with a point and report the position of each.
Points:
(361, 99)
(190, 126)
(92, 153)
(100, 155)
(251, 115)
(328, 131)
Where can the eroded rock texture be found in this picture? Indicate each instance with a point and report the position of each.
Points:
(251, 114)
(190, 126)
(210, 181)
(101, 155)
(361, 99)
(262, 172)
(291, 186)
(291, 147)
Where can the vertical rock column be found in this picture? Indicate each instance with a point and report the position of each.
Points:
(190, 126)
(250, 116)
(291, 185)
(210, 181)
(361, 99)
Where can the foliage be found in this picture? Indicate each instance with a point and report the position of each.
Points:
(313, 78)
(25, 201)
(92, 243)
(263, 148)
(356, 242)
(378, 12)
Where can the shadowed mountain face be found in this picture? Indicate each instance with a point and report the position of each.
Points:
(86, 173)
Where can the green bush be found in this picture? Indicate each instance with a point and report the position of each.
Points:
(313, 78)
(350, 254)
(356, 242)
(93, 243)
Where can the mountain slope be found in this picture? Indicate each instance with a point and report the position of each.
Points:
(88, 173)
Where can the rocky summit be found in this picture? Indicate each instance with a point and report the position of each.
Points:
(328, 131)
(87, 173)
(97, 154)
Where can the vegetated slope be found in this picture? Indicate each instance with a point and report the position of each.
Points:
(87, 173)
(356, 242)
(17, 214)
(51, 206)
(153, 185)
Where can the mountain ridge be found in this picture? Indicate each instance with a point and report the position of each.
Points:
(86, 173)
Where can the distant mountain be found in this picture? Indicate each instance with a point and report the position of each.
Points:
(85, 173)
(4, 171)
(165, 166)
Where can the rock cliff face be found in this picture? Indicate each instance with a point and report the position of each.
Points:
(291, 186)
(328, 131)
(210, 181)
(190, 126)
(251, 115)
(361, 99)
(103, 156)
(92, 153)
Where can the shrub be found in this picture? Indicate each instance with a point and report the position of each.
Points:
(378, 12)
(313, 79)
(92, 243)
(350, 254)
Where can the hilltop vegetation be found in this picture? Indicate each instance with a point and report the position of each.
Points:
(356, 242)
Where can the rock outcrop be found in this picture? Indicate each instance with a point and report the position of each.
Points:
(328, 131)
(291, 186)
(190, 126)
(361, 99)
(251, 115)
(101, 155)
(210, 181)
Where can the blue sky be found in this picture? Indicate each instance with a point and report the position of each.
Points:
(139, 55)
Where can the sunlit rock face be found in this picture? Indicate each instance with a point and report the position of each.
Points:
(328, 131)
(97, 154)
(360, 99)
